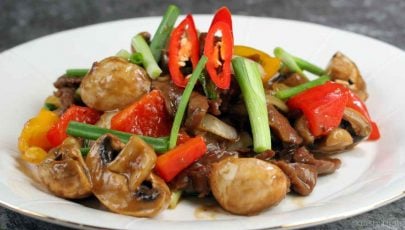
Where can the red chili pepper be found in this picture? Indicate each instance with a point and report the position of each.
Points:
(147, 116)
(57, 133)
(323, 106)
(219, 53)
(173, 162)
(183, 46)
(357, 104)
(223, 14)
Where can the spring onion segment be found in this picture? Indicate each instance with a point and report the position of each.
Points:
(148, 61)
(76, 72)
(174, 199)
(93, 132)
(136, 58)
(306, 65)
(288, 60)
(287, 93)
(248, 76)
(123, 54)
(184, 101)
(162, 34)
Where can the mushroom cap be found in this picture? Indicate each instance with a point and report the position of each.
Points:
(247, 186)
(122, 177)
(343, 70)
(64, 172)
(113, 83)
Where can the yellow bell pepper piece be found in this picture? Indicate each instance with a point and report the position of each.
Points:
(34, 133)
(271, 65)
(34, 155)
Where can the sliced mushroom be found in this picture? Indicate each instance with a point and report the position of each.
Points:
(64, 172)
(247, 186)
(122, 177)
(335, 141)
(301, 125)
(344, 71)
(360, 125)
(113, 83)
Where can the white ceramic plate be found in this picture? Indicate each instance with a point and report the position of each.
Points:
(371, 175)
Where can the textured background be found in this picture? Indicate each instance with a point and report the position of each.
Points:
(23, 20)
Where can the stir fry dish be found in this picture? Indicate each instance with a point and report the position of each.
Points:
(188, 113)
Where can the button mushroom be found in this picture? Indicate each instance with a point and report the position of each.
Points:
(122, 177)
(247, 186)
(64, 172)
(343, 70)
(113, 83)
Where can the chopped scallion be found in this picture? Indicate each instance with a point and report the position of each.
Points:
(248, 76)
(148, 61)
(184, 101)
(290, 92)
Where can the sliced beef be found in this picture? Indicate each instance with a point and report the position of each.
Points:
(267, 155)
(196, 110)
(195, 179)
(323, 165)
(67, 82)
(214, 106)
(66, 96)
(281, 126)
(293, 79)
(171, 93)
(66, 90)
(302, 176)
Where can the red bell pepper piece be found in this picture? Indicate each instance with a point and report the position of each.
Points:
(357, 104)
(57, 133)
(147, 116)
(323, 106)
(219, 53)
(173, 162)
(183, 46)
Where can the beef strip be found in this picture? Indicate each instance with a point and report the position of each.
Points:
(171, 93)
(67, 82)
(302, 176)
(66, 90)
(281, 127)
(323, 166)
(196, 110)
(66, 96)
(195, 179)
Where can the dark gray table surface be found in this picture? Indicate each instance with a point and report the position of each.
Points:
(23, 20)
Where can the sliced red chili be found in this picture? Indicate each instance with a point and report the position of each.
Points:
(183, 46)
(223, 14)
(219, 54)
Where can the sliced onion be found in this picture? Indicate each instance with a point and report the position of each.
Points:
(245, 141)
(105, 119)
(270, 99)
(214, 125)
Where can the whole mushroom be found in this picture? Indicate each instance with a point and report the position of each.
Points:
(113, 83)
(64, 172)
(247, 186)
(122, 177)
(344, 71)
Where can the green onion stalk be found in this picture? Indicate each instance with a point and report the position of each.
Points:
(92, 132)
(76, 72)
(148, 61)
(184, 101)
(248, 76)
(163, 32)
(290, 92)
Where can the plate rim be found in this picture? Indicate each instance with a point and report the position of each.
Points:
(67, 223)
